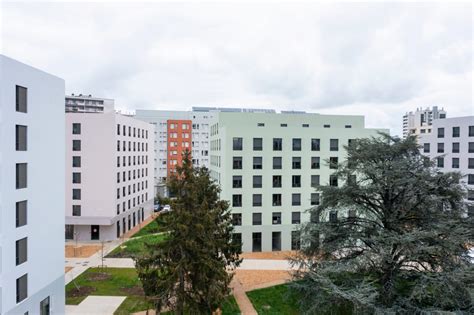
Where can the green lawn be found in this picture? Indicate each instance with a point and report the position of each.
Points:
(135, 246)
(153, 227)
(275, 300)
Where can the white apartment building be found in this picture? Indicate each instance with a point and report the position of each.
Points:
(268, 165)
(420, 121)
(109, 170)
(200, 118)
(31, 190)
(451, 144)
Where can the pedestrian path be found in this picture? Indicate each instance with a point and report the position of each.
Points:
(96, 305)
(246, 307)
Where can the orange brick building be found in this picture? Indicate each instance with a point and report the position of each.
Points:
(179, 140)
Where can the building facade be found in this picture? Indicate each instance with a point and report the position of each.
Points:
(268, 166)
(31, 190)
(419, 122)
(109, 171)
(451, 145)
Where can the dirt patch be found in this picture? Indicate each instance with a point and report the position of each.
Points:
(253, 279)
(81, 251)
(66, 269)
(136, 290)
(81, 291)
(98, 276)
(282, 255)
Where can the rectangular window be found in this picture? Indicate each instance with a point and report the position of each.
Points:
(333, 161)
(426, 148)
(256, 218)
(297, 144)
(470, 195)
(276, 180)
(237, 163)
(276, 241)
(21, 99)
(314, 180)
(76, 178)
(296, 181)
(237, 144)
(333, 216)
(296, 199)
(21, 133)
(257, 181)
(260, 125)
(471, 131)
(76, 161)
(76, 210)
(276, 200)
(470, 179)
(21, 251)
(257, 144)
(76, 128)
(455, 147)
(237, 240)
(440, 162)
(305, 125)
(21, 288)
(440, 147)
(283, 125)
(236, 181)
(456, 132)
(455, 163)
(256, 242)
(76, 145)
(257, 200)
(45, 306)
(440, 132)
(257, 163)
(277, 163)
(236, 200)
(334, 144)
(295, 240)
(236, 219)
(276, 218)
(296, 217)
(333, 180)
(296, 163)
(76, 194)
(21, 213)
(470, 163)
(471, 147)
(315, 162)
(118, 129)
(21, 175)
(277, 144)
(315, 199)
(315, 144)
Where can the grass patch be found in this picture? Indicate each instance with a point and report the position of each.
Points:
(133, 304)
(230, 307)
(135, 246)
(279, 299)
(155, 226)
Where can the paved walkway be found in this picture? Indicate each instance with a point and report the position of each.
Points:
(246, 307)
(96, 305)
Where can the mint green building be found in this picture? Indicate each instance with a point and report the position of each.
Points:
(267, 165)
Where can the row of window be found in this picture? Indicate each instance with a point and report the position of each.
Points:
(456, 132)
(257, 181)
(132, 221)
(257, 218)
(238, 144)
(22, 293)
(276, 200)
(454, 148)
(454, 162)
(137, 146)
(132, 189)
(135, 160)
(132, 132)
(276, 240)
(257, 162)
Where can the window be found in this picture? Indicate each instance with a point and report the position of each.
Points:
(470, 179)
(276, 218)
(257, 181)
(45, 306)
(260, 125)
(456, 132)
(236, 200)
(21, 288)
(256, 218)
(21, 175)
(277, 144)
(426, 148)
(257, 200)
(470, 163)
(76, 129)
(257, 163)
(76, 178)
(76, 194)
(277, 163)
(21, 213)
(21, 251)
(455, 147)
(236, 219)
(333, 162)
(276, 200)
(257, 144)
(327, 126)
(305, 125)
(256, 242)
(118, 129)
(315, 199)
(21, 99)
(76, 210)
(237, 163)
(237, 239)
(295, 240)
(314, 180)
(283, 125)
(276, 181)
(297, 144)
(236, 181)
(315, 144)
(440, 162)
(296, 217)
(296, 163)
(334, 144)
(21, 133)
(237, 144)
(333, 216)
(276, 241)
(296, 181)
(440, 132)
(333, 180)
(471, 131)
(296, 199)
(470, 195)
(440, 147)
(76, 145)
(76, 161)
(471, 147)
(455, 163)
(348, 126)
(315, 164)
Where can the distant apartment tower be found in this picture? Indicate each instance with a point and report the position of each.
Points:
(31, 190)
(109, 170)
(178, 142)
(268, 166)
(451, 145)
(420, 121)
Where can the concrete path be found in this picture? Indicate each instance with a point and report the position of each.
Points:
(246, 307)
(96, 305)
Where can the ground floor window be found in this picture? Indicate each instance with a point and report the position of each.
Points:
(237, 239)
(45, 306)
(295, 240)
(256, 242)
(276, 241)
(69, 232)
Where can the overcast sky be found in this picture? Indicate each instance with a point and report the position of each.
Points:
(377, 60)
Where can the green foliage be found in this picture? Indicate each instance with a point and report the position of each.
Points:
(155, 226)
(400, 227)
(136, 246)
(189, 270)
(280, 299)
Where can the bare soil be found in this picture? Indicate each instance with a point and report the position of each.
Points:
(253, 279)
(81, 251)
(136, 290)
(98, 276)
(82, 291)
